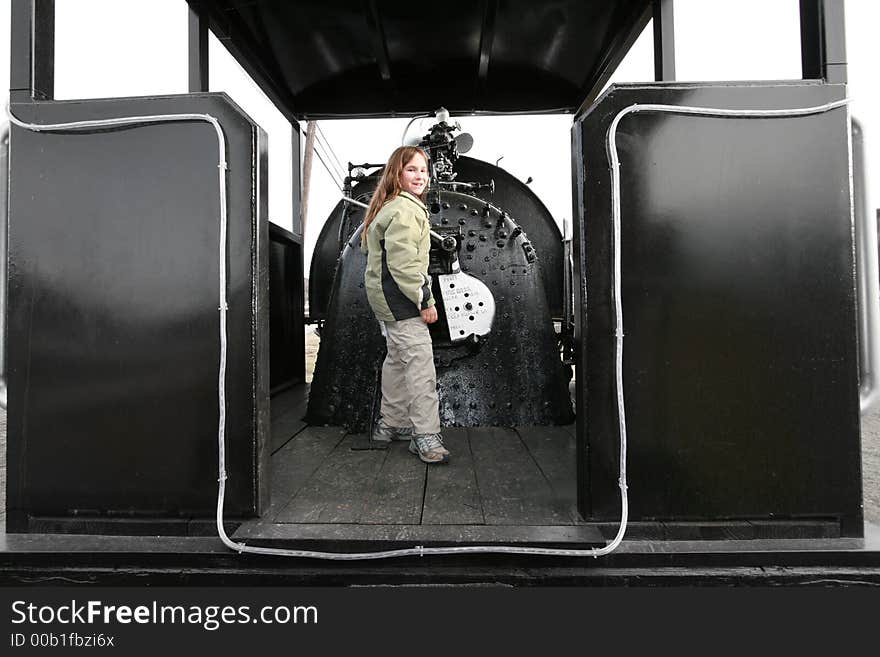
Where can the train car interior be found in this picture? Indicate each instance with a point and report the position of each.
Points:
(149, 320)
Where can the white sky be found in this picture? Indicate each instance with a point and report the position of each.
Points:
(109, 48)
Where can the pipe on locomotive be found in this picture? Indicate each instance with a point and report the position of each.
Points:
(616, 292)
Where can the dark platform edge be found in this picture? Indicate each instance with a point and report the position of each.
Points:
(50, 559)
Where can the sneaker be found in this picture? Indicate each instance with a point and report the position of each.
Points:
(383, 433)
(429, 448)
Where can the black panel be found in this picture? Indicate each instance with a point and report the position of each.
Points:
(740, 356)
(197, 52)
(286, 330)
(113, 313)
(345, 57)
(823, 40)
(32, 50)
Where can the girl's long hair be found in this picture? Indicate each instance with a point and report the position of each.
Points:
(389, 184)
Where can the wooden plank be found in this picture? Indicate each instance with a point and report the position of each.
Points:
(283, 430)
(512, 488)
(336, 491)
(451, 493)
(397, 493)
(554, 451)
(297, 461)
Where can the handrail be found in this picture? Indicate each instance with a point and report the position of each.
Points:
(434, 234)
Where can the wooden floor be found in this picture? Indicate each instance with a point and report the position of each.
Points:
(325, 482)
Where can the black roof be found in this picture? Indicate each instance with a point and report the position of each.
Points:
(322, 58)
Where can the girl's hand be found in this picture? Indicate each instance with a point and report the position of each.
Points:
(429, 315)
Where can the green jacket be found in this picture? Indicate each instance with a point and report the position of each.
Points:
(398, 246)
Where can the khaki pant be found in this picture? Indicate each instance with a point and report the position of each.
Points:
(409, 382)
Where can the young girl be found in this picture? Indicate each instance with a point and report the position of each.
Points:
(397, 241)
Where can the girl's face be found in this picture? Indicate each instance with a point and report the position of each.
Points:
(414, 177)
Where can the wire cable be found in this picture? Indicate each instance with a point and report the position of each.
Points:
(329, 149)
(333, 175)
(615, 219)
(330, 157)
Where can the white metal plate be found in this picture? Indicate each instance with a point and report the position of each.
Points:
(470, 306)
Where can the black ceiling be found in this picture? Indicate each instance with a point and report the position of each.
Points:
(320, 58)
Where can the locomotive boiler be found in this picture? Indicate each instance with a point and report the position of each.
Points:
(496, 264)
